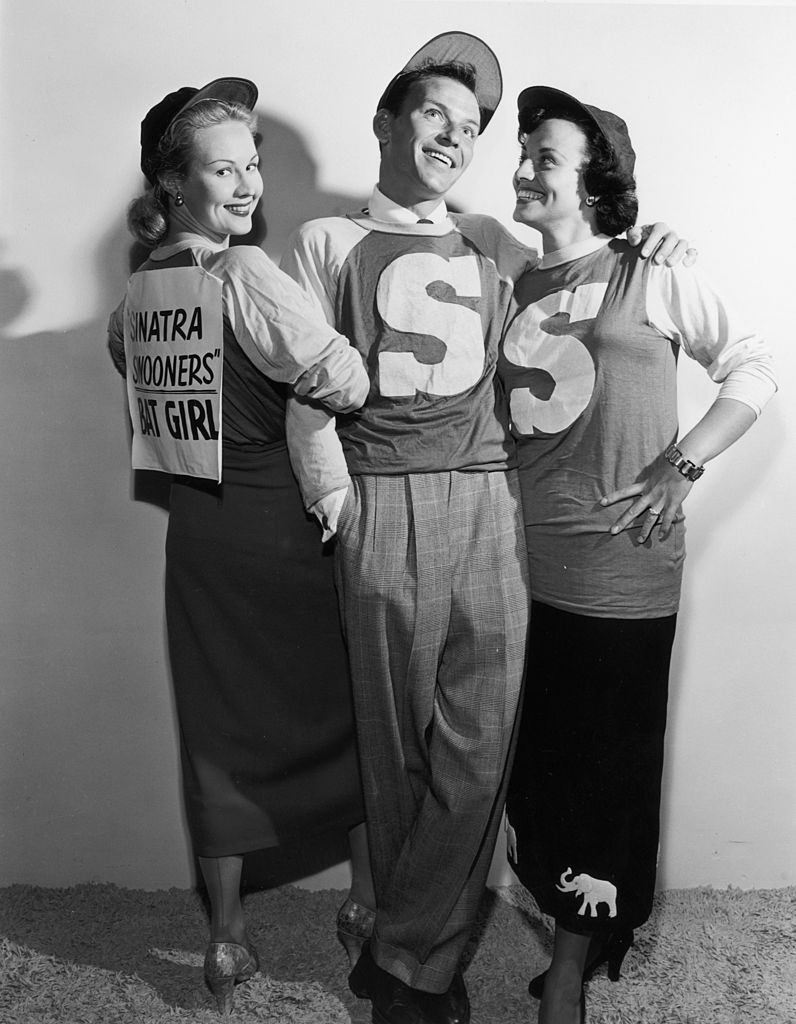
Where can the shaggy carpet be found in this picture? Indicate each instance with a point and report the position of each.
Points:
(99, 954)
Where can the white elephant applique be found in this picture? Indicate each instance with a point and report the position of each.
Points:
(593, 891)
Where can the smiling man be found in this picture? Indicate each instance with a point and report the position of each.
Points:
(431, 564)
(428, 134)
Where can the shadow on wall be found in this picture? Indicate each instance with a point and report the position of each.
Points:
(14, 296)
(291, 194)
(72, 571)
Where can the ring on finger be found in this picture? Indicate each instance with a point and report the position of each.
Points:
(654, 512)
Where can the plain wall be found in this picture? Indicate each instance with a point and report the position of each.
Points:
(89, 787)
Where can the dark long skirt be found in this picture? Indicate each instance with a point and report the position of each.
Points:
(584, 798)
(258, 663)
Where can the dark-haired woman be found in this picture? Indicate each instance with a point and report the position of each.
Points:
(589, 363)
(258, 664)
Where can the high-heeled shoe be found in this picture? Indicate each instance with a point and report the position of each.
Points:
(612, 952)
(226, 965)
(354, 928)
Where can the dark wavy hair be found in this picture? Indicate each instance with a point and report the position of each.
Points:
(397, 92)
(615, 189)
(148, 214)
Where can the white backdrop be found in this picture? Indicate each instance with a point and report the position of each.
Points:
(88, 757)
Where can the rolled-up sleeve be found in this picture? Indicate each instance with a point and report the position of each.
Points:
(686, 309)
(284, 334)
(316, 453)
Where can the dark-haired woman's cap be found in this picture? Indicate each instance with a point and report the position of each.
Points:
(462, 48)
(154, 125)
(612, 127)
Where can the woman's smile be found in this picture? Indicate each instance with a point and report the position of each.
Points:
(527, 194)
(240, 209)
(548, 183)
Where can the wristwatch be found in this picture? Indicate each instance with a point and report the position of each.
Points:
(684, 466)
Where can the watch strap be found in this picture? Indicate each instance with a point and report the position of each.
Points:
(684, 466)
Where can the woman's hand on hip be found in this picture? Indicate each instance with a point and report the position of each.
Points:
(658, 499)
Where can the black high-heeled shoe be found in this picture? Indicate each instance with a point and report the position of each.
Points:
(354, 928)
(226, 965)
(612, 953)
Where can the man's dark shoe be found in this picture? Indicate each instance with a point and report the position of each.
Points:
(451, 1007)
(397, 1003)
(359, 979)
(391, 998)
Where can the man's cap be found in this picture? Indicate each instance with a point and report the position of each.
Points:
(157, 121)
(462, 48)
(611, 126)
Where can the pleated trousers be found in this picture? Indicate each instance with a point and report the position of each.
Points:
(433, 587)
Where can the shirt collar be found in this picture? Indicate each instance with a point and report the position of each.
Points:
(384, 209)
(186, 240)
(573, 251)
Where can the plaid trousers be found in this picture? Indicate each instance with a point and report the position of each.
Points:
(432, 579)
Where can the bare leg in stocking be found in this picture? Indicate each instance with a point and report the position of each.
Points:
(356, 916)
(222, 878)
(561, 1000)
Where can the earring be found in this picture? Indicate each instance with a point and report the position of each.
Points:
(591, 200)
(179, 199)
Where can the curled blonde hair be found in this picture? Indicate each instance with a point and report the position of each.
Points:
(148, 214)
